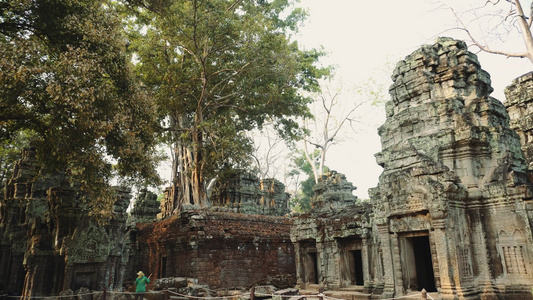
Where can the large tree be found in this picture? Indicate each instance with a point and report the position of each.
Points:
(219, 68)
(65, 78)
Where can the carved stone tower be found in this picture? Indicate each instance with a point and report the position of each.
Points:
(450, 206)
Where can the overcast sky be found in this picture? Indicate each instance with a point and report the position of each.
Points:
(361, 37)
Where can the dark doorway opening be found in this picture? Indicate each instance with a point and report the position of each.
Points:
(425, 277)
(350, 261)
(357, 267)
(311, 268)
(163, 267)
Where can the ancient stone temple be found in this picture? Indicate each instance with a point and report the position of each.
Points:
(451, 204)
(451, 213)
(48, 241)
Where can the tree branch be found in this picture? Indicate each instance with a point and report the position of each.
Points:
(481, 46)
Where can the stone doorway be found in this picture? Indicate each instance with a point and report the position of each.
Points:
(350, 262)
(354, 265)
(416, 261)
(311, 268)
(163, 267)
(309, 262)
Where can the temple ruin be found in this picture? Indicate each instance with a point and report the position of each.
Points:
(49, 241)
(452, 212)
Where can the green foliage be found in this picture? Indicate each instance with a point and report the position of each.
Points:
(301, 201)
(10, 153)
(160, 197)
(217, 69)
(65, 78)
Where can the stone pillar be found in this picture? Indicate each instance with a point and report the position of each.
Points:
(4, 265)
(388, 270)
(365, 253)
(447, 280)
(17, 272)
(300, 279)
(69, 274)
(396, 264)
(321, 261)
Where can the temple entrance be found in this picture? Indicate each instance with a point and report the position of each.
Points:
(417, 266)
(311, 268)
(354, 267)
(309, 262)
(350, 262)
(163, 267)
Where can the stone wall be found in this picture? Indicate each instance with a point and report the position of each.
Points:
(221, 249)
(48, 241)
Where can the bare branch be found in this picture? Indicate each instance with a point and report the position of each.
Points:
(480, 45)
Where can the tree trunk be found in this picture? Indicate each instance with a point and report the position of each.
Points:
(526, 31)
(197, 182)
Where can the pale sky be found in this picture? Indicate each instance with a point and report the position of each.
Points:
(360, 37)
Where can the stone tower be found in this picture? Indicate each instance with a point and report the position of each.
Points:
(450, 209)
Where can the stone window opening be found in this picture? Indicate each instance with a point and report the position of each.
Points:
(514, 260)
(512, 250)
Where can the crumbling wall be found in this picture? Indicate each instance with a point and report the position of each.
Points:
(49, 242)
(245, 193)
(519, 104)
(145, 208)
(221, 249)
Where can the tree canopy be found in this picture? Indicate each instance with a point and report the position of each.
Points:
(218, 69)
(65, 77)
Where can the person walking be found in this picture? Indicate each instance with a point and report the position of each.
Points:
(140, 285)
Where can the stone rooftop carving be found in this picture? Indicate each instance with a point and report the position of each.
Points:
(145, 208)
(333, 192)
(247, 194)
